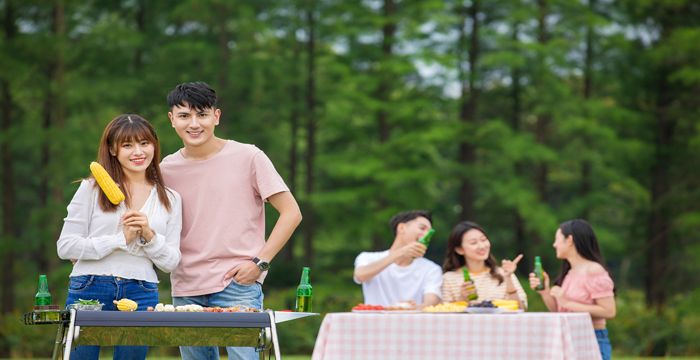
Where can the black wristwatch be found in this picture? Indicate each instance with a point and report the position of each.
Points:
(262, 265)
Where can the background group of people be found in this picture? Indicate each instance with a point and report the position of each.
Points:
(198, 215)
(402, 274)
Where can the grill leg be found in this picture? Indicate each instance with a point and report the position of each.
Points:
(59, 341)
(263, 348)
(69, 336)
(273, 329)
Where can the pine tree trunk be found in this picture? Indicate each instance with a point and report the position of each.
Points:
(518, 222)
(382, 96)
(543, 120)
(54, 116)
(586, 165)
(294, 93)
(9, 229)
(309, 213)
(140, 21)
(659, 222)
(385, 78)
(223, 38)
(468, 110)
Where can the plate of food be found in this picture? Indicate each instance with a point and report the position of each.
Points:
(398, 308)
(508, 306)
(367, 308)
(87, 305)
(402, 307)
(482, 310)
(482, 307)
(451, 307)
(497, 306)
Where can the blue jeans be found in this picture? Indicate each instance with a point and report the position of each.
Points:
(604, 343)
(106, 289)
(233, 294)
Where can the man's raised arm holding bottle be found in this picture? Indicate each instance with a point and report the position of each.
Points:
(401, 273)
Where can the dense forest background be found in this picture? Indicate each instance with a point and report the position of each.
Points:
(517, 114)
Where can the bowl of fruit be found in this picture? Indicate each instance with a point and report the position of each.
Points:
(482, 307)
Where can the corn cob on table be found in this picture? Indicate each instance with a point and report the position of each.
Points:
(109, 328)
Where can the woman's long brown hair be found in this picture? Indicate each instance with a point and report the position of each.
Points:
(454, 261)
(124, 128)
(586, 244)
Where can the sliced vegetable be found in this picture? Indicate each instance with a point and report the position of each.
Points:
(88, 302)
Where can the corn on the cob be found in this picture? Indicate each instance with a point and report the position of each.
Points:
(126, 305)
(110, 188)
(506, 304)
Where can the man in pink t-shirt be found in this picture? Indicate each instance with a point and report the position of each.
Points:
(224, 185)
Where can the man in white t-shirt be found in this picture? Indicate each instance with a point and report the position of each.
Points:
(401, 273)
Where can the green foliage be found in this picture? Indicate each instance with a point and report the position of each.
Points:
(599, 150)
(26, 341)
(331, 294)
(640, 330)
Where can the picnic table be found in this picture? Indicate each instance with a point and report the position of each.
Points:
(397, 335)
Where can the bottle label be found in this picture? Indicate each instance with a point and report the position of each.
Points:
(303, 304)
(540, 276)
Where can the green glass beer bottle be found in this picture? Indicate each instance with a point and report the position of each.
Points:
(304, 292)
(43, 297)
(468, 280)
(538, 273)
(425, 240)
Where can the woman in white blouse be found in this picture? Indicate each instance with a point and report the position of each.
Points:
(114, 247)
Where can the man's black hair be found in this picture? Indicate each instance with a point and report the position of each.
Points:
(196, 95)
(406, 216)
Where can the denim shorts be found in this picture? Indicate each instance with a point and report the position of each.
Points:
(233, 294)
(601, 336)
(107, 289)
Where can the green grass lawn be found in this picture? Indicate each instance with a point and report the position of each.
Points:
(285, 357)
(640, 358)
(308, 357)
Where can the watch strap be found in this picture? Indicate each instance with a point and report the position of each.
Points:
(262, 265)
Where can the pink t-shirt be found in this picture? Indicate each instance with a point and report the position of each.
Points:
(585, 288)
(223, 213)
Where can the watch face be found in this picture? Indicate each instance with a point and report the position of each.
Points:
(262, 265)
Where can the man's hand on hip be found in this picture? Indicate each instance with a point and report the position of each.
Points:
(245, 273)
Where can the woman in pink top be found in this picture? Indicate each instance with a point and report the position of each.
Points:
(584, 284)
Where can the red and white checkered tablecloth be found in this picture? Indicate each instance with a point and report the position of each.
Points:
(425, 336)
